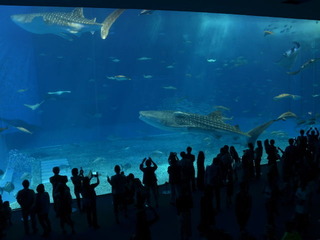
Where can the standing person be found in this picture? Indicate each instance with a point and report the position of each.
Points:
(56, 180)
(42, 207)
(213, 181)
(64, 206)
(237, 163)
(192, 158)
(201, 170)
(26, 199)
(90, 200)
(77, 183)
(174, 176)
(150, 179)
(118, 185)
(229, 185)
(243, 205)
(257, 159)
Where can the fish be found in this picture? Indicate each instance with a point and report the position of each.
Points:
(315, 95)
(125, 166)
(146, 12)
(211, 60)
(8, 187)
(303, 66)
(25, 175)
(35, 106)
(116, 60)
(22, 129)
(3, 129)
(286, 95)
(266, 33)
(58, 92)
(147, 76)
(169, 88)
(19, 123)
(211, 124)
(144, 58)
(22, 90)
(65, 24)
(120, 78)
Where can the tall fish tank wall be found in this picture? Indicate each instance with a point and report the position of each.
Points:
(72, 97)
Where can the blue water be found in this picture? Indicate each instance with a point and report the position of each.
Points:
(193, 62)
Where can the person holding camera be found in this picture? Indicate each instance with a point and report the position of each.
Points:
(89, 199)
(150, 179)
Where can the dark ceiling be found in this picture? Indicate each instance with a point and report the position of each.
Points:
(303, 9)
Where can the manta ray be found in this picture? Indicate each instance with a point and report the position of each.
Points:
(212, 124)
(65, 24)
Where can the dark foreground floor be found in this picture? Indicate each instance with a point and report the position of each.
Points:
(167, 226)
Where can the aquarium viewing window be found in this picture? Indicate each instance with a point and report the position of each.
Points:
(92, 88)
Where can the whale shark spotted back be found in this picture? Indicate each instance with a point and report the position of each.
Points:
(65, 24)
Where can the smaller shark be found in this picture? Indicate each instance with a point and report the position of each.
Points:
(212, 124)
(65, 24)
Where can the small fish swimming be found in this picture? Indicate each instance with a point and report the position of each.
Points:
(210, 60)
(3, 129)
(221, 108)
(147, 76)
(22, 129)
(22, 90)
(169, 88)
(35, 106)
(146, 12)
(287, 95)
(120, 78)
(58, 92)
(303, 66)
(144, 58)
(116, 60)
(266, 33)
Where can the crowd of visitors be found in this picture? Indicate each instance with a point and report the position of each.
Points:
(296, 167)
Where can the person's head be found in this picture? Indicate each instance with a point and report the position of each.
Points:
(183, 154)
(74, 171)
(86, 181)
(301, 132)
(6, 204)
(313, 132)
(130, 177)
(148, 162)
(117, 169)
(250, 145)
(226, 148)
(272, 142)
(259, 143)
(25, 183)
(291, 141)
(56, 170)
(40, 188)
(201, 154)
(216, 161)
(189, 149)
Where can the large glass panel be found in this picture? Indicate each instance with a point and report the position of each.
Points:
(71, 96)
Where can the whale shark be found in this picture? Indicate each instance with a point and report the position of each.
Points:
(65, 24)
(212, 124)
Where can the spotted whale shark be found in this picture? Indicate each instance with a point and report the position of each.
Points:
(65, 24)
(212, 124)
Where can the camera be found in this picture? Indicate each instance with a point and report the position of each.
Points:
(94, 174)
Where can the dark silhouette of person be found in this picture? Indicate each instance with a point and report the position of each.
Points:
(272, 152)
(313, 139)
(237, 163)
(130, 189)
(213, 181)
(42, 207)
(150, 179)
(258, 152)
(185, 173)
(243, 205)
(3, 224)
(26, 199)
(118, 186)
(56, 180)
(207, 213)
(201, 170)
(247, 163)
(143, 220)
(89, 200)
(302, 143)
(174, 176)
(229, 186)
(77, 183)
(7, 213)
(64, 206)
(192, 158)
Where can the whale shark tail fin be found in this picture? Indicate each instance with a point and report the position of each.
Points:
(256, 132)
(107, 23)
